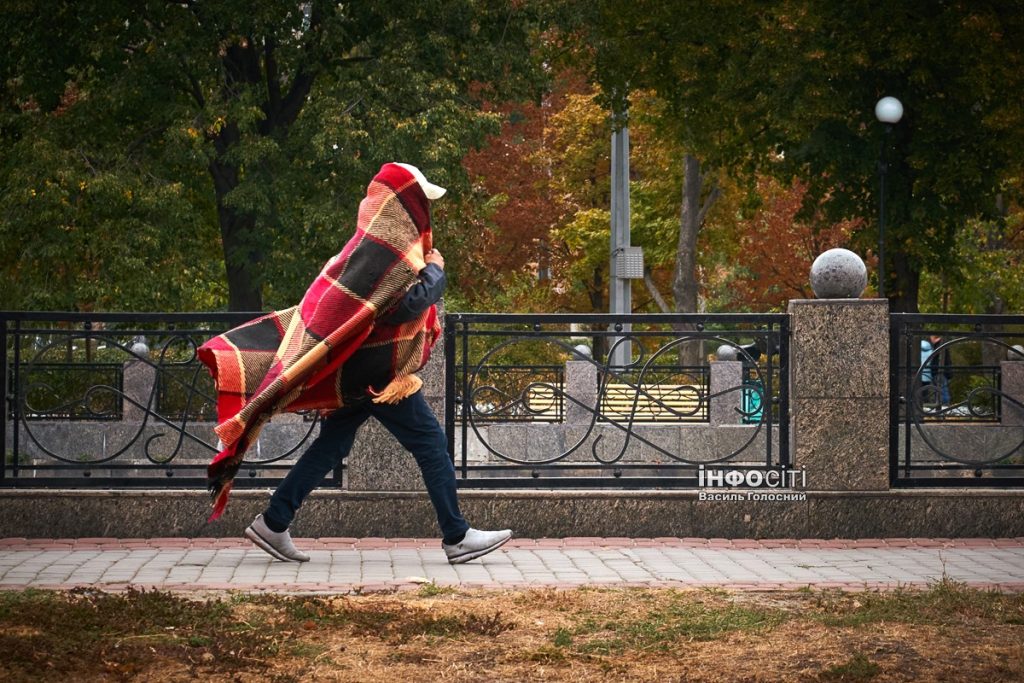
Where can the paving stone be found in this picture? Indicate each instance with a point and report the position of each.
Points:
(368, 565)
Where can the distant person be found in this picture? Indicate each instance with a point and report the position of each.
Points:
(936, 370)
(364, 327)
(942, 368)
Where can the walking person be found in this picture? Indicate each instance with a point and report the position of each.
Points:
(941, 369)
(351, 347)
(936, 372)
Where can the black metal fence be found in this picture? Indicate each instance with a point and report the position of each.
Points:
(956, 412)
(119, 400)
(604, 400)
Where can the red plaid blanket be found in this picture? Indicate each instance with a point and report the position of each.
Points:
(333, 346)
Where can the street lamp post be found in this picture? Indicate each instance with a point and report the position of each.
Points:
(889, 111)
(619, 288)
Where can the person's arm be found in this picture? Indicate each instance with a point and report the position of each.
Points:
(426, 292)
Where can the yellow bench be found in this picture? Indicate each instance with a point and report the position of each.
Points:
(656, 402)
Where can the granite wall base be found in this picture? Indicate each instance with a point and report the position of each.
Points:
(951, 513)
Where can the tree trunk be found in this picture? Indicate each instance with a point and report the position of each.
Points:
(247, 66)
(652, 289)
(903, 297)
(991, 354)
(243, 253)
(684, 278)
(685, 288)
(243, 258)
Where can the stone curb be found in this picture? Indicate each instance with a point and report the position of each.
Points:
(210, 588)
(341, 543)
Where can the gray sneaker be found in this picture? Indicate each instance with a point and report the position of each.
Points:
(276, 543)
(476, 544)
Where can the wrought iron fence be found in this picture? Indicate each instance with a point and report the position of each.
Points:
(956, 400)
(120, 400)
(604, 400)
(499, 382)
(51, 383)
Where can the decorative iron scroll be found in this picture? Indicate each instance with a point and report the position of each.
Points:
(980, 403)
(173, 394)
(649, 389)
(552, 393)
(957, 400)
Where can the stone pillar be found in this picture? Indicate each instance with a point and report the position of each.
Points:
(138, 380)
(581, 385)
(724, 409)
(1012, 386)
(839, 392)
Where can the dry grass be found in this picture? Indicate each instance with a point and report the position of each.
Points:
(947, 633)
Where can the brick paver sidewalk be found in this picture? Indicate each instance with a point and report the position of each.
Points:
(340, 565)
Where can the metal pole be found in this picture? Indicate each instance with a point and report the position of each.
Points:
(4, 386)
(882, 168)
(16, 412)
(449, 384)
(785, 458)
(619, 288)
(466, 399)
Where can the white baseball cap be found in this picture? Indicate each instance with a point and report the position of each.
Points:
(432, 191)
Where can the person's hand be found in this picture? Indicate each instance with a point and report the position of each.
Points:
(434, 256)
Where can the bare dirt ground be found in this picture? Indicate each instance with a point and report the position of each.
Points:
(947, 633)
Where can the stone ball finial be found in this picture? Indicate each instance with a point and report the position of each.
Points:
(139, 346)
(726, 352)
(838, 274)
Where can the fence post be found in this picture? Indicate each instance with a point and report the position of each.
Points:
(725, 405)
(139, 383)
(5, 383)
(580, 384)
(1012, 387)
(839, 395)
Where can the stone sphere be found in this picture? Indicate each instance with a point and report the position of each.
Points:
(838, 274)
(1015, 353)
(726, 352)
(582, 351)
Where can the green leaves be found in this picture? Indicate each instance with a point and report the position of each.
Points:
(253, 124)
(789, 90)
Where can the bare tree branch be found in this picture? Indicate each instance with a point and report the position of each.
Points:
(652, 288)
(709, 201)
(193, 88)
(305, 74)
(88, 161)
(146, 135)
(272, 76)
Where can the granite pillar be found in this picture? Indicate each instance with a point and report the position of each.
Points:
(839, 392)
(1012, 374)
(725, 405)
(138, 385)
(580, 388)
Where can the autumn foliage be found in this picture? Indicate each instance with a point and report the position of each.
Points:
(521, 211)
(778, 246)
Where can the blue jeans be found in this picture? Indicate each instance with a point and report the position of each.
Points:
(411, 422)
